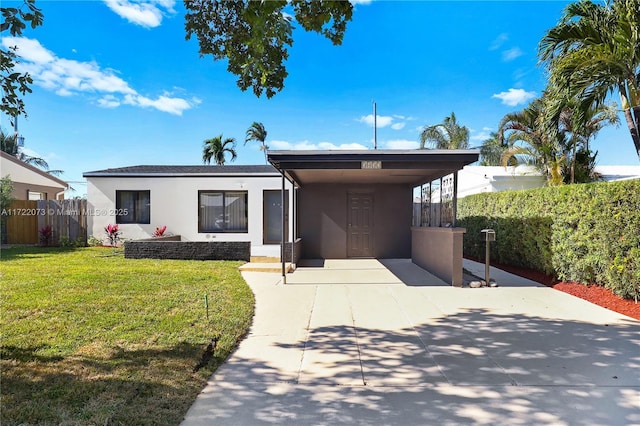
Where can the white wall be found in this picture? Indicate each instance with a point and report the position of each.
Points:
(174, 203)
(477, 179)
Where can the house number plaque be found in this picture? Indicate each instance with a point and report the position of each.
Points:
(371, 165)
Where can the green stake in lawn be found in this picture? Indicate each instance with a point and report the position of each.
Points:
(206, 304)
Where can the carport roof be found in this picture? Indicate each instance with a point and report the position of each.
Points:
(410, 167)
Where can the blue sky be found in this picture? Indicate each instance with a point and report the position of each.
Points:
(117, 84)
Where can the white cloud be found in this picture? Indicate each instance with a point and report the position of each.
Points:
(381, 120)
(511, 54)
(109, 101)
(29, 50)
(162, 103)
(483, 135)
(499, 41)
(306, 145)
(147, 13)
(402, 144)
(384, 121)
(514, 97)
(67, 77)
(354, 2)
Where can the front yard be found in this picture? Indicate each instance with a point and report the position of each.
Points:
(89, 337)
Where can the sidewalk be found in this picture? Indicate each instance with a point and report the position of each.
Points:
(367, 343)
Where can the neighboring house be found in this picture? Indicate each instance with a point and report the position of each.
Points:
(29, 182)
(477, 179)
(615, 173)
(199, 203)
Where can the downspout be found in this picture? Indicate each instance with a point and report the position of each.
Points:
(293, 224)
(282, 205)
(455, 199)
(61, 192)
(440, 206)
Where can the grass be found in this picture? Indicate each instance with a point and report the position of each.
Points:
(89, 337)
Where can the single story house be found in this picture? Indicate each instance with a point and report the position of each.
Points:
(337, 205)
(477, 179)
(29, 182)
(199, 203)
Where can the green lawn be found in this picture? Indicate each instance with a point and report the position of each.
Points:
(89, 337)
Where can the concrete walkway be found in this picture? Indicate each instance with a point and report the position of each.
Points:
(362, 342)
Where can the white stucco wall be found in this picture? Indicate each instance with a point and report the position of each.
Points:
(174, 203)
(477, 179)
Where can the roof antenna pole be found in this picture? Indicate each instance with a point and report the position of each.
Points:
(375, 126)
(19, 139)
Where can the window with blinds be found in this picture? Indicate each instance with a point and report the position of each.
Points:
(222, 211)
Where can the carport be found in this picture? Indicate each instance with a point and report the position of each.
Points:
(360, 204)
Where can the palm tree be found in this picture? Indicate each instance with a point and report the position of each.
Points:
(531, 142)
(595, 50)
(491, 151)
(257, 132)
(216, 149)
(9, 144)
(580, 126)
(447, 135)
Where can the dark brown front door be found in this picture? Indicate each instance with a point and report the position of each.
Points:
(360, 225)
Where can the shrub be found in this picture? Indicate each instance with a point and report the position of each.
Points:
(585, 233)
(94, 241)
(113, 234)
(46, 234)
(625, 272)
(66, 242)
(159, 232)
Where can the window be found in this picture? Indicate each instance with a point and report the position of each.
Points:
(133, 206)
(34, 196)
(222, 211)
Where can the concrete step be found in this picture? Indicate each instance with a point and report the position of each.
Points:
(265, 267)
(264, 259)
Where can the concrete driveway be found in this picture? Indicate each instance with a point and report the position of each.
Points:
(365, 342)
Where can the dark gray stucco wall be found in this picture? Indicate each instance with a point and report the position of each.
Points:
(322, 220)
(194, 250)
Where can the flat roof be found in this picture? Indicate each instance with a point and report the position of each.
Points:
(411, 167)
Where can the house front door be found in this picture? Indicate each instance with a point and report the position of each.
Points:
(360, 225)
(272, 216)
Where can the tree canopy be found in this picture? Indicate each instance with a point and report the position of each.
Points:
(217, 148)
(9, 144)
(595, 50)
(255, 36)
(15, 20)
(447, 135)
(257, 132)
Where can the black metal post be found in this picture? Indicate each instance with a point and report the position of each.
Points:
(282, 205)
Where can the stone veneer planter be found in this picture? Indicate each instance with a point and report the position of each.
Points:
(173, 248)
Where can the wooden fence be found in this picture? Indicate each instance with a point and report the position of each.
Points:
(26, 219)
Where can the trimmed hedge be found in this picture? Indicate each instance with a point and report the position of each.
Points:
(586, 233)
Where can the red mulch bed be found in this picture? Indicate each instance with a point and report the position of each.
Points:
(595, 294)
